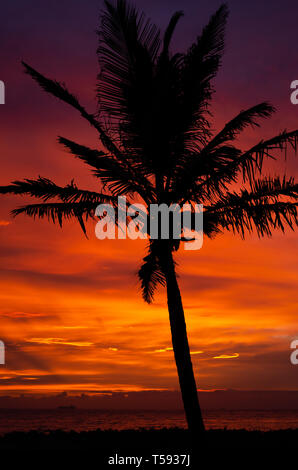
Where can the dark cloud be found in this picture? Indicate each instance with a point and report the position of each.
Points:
(92, 280)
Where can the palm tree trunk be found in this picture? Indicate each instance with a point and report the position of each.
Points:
(181, 350)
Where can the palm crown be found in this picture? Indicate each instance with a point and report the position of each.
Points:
(153, 122)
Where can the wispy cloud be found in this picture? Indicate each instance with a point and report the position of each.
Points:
(163, 350)
(21, 315)
(226, 356)
(59, 341)
(171, 349)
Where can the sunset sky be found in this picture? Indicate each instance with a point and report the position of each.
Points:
(71, 313)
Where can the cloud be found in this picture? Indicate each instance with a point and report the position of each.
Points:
(171, 349)
(91, 280)
(59, 341)
(163, 350)
(226, 356)
(22, 315)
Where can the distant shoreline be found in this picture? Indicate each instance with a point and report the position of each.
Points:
(151, 400)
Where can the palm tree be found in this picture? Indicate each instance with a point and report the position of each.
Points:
(156, 146)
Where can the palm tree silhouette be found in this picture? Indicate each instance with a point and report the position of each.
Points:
(153, 122)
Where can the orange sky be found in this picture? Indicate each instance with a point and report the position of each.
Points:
(72, 317)
(71, 313)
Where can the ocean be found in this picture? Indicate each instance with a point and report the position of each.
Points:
(89, 420)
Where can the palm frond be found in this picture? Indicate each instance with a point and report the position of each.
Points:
(252, 160)
(270, 204)
(128, 45)
(246, 118)
(150, 275)
(170, 31)
(201, 64)
(60, 91)
(45, 189)
(212, 180)
(217, 154)
(59, 211)
(120, 178)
